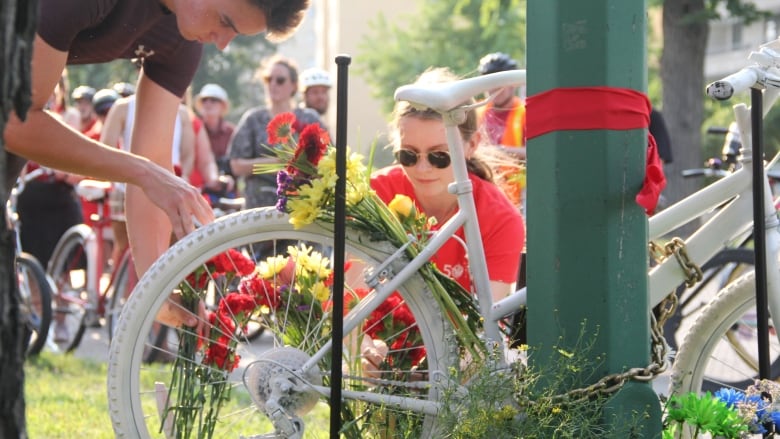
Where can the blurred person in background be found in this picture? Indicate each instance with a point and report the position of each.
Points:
(249, 145)
(502, 122)
(315, 87)
(82, 100)
(212, 105)
(205, 173)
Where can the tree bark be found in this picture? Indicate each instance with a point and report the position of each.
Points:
(17, 18)
(682, 75)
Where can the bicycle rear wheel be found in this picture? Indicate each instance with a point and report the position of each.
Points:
(69, 268)
(35, 301)
(721, 348)
(725, 267)
(143, 399)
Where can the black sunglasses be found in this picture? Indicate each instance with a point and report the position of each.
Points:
(437, 159)
(279, 80)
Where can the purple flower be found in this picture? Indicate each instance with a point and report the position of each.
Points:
(281, 204)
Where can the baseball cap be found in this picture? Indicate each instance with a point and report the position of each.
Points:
(213, 91)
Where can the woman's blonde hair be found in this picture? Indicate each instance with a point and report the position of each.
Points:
(481, 163)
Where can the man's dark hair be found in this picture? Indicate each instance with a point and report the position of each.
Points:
(282, 17)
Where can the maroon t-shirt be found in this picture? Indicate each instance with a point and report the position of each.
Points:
(96, 31)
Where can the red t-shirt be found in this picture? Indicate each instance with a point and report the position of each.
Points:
(500, 224)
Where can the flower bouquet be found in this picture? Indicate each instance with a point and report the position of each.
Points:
(306, 178)
(285, 286)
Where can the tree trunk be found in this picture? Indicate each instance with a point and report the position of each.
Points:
(17, 19)
(682, 75)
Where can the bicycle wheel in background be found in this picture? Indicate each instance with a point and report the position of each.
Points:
(721, 349)
(34, 301)
(143, 399)
(69, 268)
(124, 280)
(725, 267)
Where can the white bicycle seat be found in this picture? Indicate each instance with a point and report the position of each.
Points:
(445, 96)
(93, 190)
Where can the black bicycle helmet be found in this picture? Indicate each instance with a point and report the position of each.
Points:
(124, 89)
(83, 92)
(496, 62)
(103, 100)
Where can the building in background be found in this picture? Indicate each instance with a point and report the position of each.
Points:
(730, 40)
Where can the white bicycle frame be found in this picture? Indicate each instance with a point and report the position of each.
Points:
(733, 194)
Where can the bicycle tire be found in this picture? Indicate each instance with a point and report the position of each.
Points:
(122, 287)
(707, 360)
(35, 301)
(68, 264)
(129, 382)
(725, 267)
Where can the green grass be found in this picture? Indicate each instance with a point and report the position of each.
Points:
(66, 398)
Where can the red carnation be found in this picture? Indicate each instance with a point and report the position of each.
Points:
(313, 142)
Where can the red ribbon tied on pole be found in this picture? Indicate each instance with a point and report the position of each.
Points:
(599, 108)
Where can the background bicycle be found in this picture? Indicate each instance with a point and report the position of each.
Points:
(84, 296)
(34, 288)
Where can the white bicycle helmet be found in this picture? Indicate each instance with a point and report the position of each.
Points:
(315, 76)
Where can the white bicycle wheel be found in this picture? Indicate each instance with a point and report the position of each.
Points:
(721, 348)
(146, 401)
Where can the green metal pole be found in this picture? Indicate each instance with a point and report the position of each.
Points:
(587, 237)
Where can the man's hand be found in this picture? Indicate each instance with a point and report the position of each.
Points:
(179, 200)
(373, 354)
(173, 314)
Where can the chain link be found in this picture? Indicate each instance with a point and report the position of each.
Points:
(659, 349)
(692, 271)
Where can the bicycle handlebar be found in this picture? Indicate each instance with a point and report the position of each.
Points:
(759, 73)
(734, 83)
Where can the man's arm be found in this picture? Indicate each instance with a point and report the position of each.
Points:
(45, 139)
(148, 230)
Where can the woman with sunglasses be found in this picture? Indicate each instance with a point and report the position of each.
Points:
(423, 173)
(249, 144)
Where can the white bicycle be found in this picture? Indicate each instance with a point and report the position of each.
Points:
(278, 380)
(721, 348)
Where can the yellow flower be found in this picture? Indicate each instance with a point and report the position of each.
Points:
(356, 170)
(314, 191)
(302, 212)
(357, 192)
(320, 292)
(271, 266)
(310, 262)
(401, 206)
